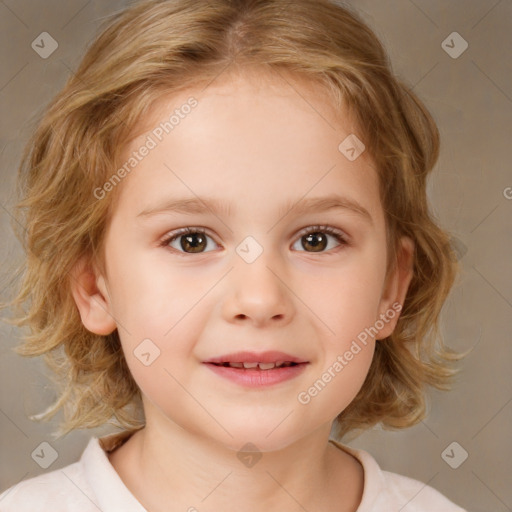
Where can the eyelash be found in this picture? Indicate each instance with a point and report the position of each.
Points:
(336, 233)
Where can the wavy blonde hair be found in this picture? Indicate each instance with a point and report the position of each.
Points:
(156, 47)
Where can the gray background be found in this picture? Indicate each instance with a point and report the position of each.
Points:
(471, 99)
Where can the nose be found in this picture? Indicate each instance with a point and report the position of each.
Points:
(258, 293)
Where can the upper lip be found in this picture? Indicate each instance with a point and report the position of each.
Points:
(270, 356)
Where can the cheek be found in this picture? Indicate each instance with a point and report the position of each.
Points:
(345, 299)
(331, 390)
(150, 298)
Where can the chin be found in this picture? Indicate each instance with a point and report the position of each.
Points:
(256, 438)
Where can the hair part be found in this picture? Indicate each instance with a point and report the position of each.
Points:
(143, 53)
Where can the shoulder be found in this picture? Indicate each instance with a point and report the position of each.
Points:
(89, 485)
(62, 490)
(384, 490)
(415, 496)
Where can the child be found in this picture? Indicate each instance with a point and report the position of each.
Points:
(230, 251)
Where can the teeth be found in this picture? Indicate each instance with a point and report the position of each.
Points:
(262, 366)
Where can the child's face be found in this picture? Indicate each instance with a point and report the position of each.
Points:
(254, 149)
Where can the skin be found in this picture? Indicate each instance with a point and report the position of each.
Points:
(253, 142)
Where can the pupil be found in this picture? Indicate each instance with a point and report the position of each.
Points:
(195, 246)
(318, 245)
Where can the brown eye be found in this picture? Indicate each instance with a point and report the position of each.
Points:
(317, 241)
(187, 241)
(316, 238)
(313, 240)
(194, 242)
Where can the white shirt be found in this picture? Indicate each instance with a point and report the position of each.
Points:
(93, 485)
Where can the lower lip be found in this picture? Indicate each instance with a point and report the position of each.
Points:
(257, 378)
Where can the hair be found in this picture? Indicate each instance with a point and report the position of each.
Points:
(156, 47)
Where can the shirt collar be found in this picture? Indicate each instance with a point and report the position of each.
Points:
(111, 492)
(373, 478)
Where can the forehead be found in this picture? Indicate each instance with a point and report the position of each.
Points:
(238, 86)
(253, 138)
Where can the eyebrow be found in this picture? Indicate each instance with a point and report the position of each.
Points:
(198, 205)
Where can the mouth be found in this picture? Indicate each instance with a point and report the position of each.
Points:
(257, 366)
(267, 360)
(255, 370)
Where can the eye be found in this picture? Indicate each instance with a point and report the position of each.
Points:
(315, 237)
(195, 240)
(189, 240)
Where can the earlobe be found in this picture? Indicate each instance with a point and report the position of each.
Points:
(89, 291)
(397, 286)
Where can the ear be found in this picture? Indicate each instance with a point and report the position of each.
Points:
(395, 289)
(91, 296)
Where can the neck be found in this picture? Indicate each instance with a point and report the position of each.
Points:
(173, 469)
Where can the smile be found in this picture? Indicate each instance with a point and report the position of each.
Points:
(257, 375)
(258, 366)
